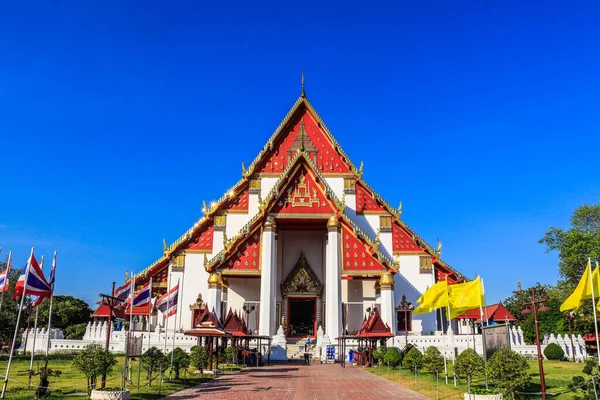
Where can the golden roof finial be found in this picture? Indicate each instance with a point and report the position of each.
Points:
(127, 275)
(439, 248)
(303, 92)
(399, 209)
(165, 245)
(204, 208)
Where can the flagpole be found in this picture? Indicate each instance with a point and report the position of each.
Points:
(167, 316)
(37, 312)
(450, 329)
(149, 312)
(14, 341)
(176, 312)
(6, 280)
(594, 304)
(50, 310)
(130, 333)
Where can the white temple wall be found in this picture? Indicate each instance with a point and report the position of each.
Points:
(337, 185)
(195, 281)
(242, 290)
(235, 223)
(410, 282)
(291, 244)
(266, 184)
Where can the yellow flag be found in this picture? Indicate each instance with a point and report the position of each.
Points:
(435, 297)
(583, 291)
(465, 296)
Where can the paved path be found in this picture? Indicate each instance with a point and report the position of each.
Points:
(299, 382)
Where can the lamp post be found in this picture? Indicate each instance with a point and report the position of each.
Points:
(406, 307)
(569, 316)
(248, 309)
(533, 307)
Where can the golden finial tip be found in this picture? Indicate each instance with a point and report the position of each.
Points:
(303, 92)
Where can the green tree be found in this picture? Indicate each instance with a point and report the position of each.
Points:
(392, 357)
(468, 365)
(94, 361)
(66, 311)
(578, 383)
(379, 353)
(10, 308)
(181, 360)
(576, 244)
(75, 332)
(509, 370)
(199, 358)
(514, 303)
(413, 360)
(153, 360)
(231, 355)
(433, 361)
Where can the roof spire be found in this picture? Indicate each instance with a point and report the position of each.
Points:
(303, 92)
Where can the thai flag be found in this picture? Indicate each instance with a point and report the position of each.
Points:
(144, 296)
(4, 277)
(123, 292)
(51, 283)
(36, 282)
(167, 303)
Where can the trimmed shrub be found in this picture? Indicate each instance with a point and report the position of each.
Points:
(413, 360)
(433, 361)
(469, 364)
(509, 370)
(392, 357)
(379, 353)
(554, 352)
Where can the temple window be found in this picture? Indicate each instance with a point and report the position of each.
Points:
(404, 319)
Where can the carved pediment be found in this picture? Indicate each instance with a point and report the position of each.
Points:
(302, 280)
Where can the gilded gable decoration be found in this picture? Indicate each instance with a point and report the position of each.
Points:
(350, 185)
(425, 265)
(302, 196)
(385, 223)
(302, 280)
(178, 262)
(254, 184)
(220, 221)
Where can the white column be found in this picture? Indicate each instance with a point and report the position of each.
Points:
(333, 283)
(267, 277)
(387, 300)
(214, 293)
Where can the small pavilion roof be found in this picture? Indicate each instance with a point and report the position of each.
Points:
(103, 311)
(207, 324)
(234, 325)
(146, 309)
(374, 327)
(495, 312)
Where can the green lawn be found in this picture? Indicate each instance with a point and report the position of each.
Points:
(72, 384)
(558, 375)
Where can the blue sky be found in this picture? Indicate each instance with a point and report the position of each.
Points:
(118, 118)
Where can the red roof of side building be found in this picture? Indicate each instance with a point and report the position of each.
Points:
(103, 310)
(146, 309)
(374, 327)
(495, 312)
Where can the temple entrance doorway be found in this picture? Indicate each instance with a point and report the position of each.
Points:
(301, 314)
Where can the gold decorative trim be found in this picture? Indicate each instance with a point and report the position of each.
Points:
(369, 212)
(242, 273)
(409, 253)
(337, 175)
(385, 223)
(302, 216)
(386, 281)
(198, 251)
(269, 174)
(237, 211)
(362, 273)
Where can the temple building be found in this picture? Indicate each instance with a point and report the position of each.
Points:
(301, 241)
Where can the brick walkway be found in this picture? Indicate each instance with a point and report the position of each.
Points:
(299, 382)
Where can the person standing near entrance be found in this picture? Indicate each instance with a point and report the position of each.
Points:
(306, 350)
